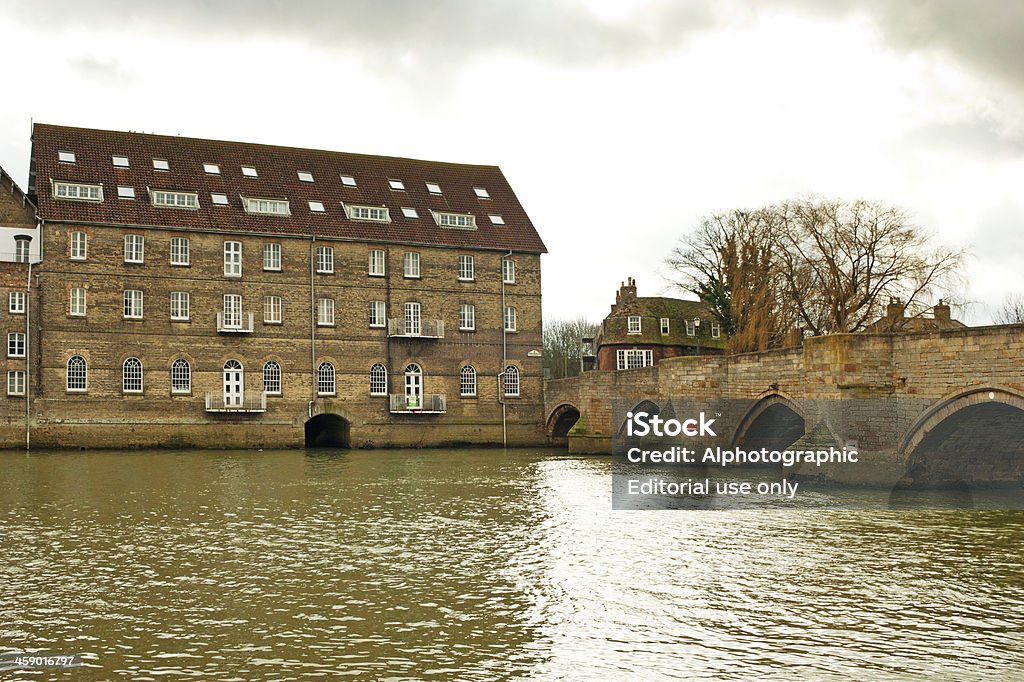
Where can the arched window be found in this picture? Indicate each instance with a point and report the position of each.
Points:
(512, 381)
(77, 373)
(181, 376)
(325, 379)
(132, 376)
(467, 381)
(272, 378)
(378, 380)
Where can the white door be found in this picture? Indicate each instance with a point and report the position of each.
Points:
(412, 319)
(413, 387)
(233, 383)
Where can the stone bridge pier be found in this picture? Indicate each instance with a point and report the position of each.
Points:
(936, 409)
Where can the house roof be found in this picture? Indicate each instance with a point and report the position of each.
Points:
(615, 328)
(277, 169)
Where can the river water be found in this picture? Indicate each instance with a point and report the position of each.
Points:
(481, 565)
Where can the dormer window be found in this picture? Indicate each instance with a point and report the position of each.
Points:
(119, 161)
(249, 172)
(481, 193)
(433, 188)
(397, 185)
(211, 169)
(305, 176)
(174, 199)
(348, 181)
(634, 324)
(458, 221)
(161, 165)
(266, 206)
(373, 214)
(665, 325)
(66, 157)
(77, 191)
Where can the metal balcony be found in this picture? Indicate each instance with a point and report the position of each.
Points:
(425, 329)
(240, 324)
(251, 401)
(431, 404)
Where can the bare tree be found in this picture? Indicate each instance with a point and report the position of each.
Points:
(1012, 310)
(563, 346)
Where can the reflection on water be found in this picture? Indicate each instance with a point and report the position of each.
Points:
(481, 564)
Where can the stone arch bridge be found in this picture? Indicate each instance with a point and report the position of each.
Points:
(936, 408)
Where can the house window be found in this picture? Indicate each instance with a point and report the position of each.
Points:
(76, 303)
(272, 257)
(131, 376)
(691, 328)
(348, 181)
(79, 245)
(161, 165)
(510, 319)
(272, 310)
(467, 317)
(232, 259)
(119, 161)
(325, 379)
(16, 345)
(218, 198)
(664, 325)
(433, 188)
(377, 262)
(467, 268)
(66, 157)
(16, 383)
(396, 184)
(125, 192)
(21, 251)
(77, 375)
(409, 212)
(134, 246)
(633, 324)
(325, 312)
(305, 176)
(179, 251)
(481, 193)
(181, 376)
(413, 321)
(175, 199)
(267, 206)
(133, 304)
(232, 311)
(458, 221)
(179, 305)
(77, 191)
(496, 219)
(377, 314)
(316, 206)
(508, 271)
(373, 214)
(467, 381)
(249, 172)
(511, 381)
(16, 303)
(272, 378)
(634, 358)
(325, 259)
(412, 264)
(211, 169)
(716, 330)
(378, 380)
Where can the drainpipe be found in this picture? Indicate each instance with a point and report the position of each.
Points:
(504, 356)
(27, 239)
(312, 323)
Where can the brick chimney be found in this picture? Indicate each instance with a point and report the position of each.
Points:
(894, 311)
(941, 311)
(626, 293)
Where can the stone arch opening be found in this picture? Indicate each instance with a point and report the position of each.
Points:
(973, 439)
(328, 431)
(773, 422)
(561, 421)
(650, 407)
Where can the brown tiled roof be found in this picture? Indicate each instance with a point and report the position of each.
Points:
(277, 168)
(614, 329)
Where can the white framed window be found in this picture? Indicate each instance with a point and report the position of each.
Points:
(510, 319)
(634, 358)
(410, 212)
(272, 307)
(496, 219)
(481, 193)
(211, 168)
(16, 383)
(66, 157)
(79, 245)
(325, 260)
(180, 305)
(412, 264)
(433, 188)
(232, 311)
(716, 330)
(179, 251)
(174, 199)
(458, 221)
(316, 206)
(77, 373)
(467, 381)
(396, 185)
(131, 376)
(373, 214)
(272, 256)
(134, 248)
(76, 302)
(325, 379)
(16, 303)
(377, 267)
(232, 259)
(266, 206)
(348, 181)
(467, 317)
(413, 319)
(378, 314)
(181, 376)
(77, 191)
(665, 327)
(511, 381)
(16, 345)
(125, 192)
(634, 324)
(508, 271)
(304, 176)
(467, 268)
(133, 304)
(325, 312)
(161, 165)
(378, 380)
(250, 172)
(21, 251)
(691, 328)
(219, 199)
(119, 161)
(272, 378)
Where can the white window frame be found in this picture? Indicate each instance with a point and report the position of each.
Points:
(77, 297)
(133, 378)
(716, 330)
(508, 270)
(305, 176)
(377, 263)
(118, 161)
(21, 251)
(273, 307)
(16, 382)
(79, 246)
(84, 378)
(66, 157)
(481, 193)
(634, 324)
(161, 165)
(260, 206)
(411, 265)
(511, 321)
(211, 168)
(274, 385)
(233, 314)
(181, 381)
(326, 379)
(413, 318)
(77, 191)
(219, 199)
(512, 384)
(634, 358)
(666, 325)
(396, 185)
(467, 317)
(378, 380)
(496, 219)
(691, 328)
(16, 303)
(16, 345)
(325, 312)
(409, 212)
(316, 206)
(134, 248)
(467, 268)
(272, 257)
(325, 260)
(250, 172)
(369, 214)
(125, 192)
(133, 304)
(378, 314)
(170, 199)
(180, 306)
(348, 180)
(455, 221)
(434, 188)
(180, 251)
(232, 259)
(467, 381)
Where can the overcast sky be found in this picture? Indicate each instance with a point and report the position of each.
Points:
(618, 122)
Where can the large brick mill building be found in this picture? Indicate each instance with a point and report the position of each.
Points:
(199, 292)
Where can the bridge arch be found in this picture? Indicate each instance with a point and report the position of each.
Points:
(775, 421)
(561, 420)
(648, 406)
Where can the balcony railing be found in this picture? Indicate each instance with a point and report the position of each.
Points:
(250, 401)
(425, 329)
(430, 404)
(234, 324)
